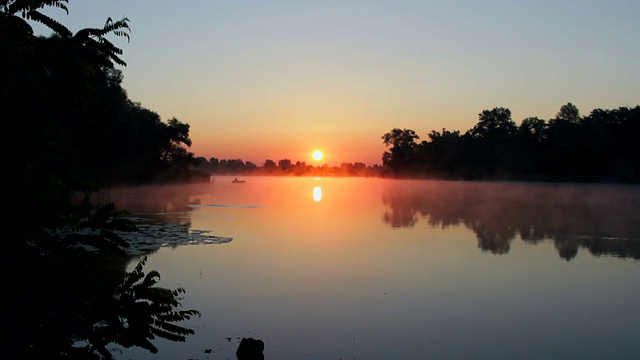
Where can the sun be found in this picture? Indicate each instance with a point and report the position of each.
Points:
(317, 155)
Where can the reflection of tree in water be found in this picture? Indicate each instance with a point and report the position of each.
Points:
(602, 219)
(159, 212)
(404, 208)
(163, 202)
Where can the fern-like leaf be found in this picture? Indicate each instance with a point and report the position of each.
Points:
(134, 276)
(172, 328)
(52, 24)
(151, 279)
(168, 335)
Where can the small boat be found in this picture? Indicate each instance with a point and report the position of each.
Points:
(236, 181)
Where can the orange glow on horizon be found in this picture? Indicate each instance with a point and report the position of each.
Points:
(257, 148)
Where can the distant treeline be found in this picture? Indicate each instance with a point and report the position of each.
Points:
(600, 147)
(284, 167)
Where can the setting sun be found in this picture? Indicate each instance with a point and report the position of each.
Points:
(317, 155)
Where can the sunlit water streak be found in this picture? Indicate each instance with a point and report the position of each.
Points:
(341, 268)
(317, 194)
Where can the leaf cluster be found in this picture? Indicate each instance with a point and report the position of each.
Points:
(147, 311)
(77, 305)
(93, 38)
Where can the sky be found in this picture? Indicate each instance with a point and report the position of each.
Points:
(259, 80)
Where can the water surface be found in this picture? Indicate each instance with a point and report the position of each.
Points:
(357, 268)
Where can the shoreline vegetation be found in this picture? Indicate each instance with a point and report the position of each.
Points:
(598, 148)
(75, 131)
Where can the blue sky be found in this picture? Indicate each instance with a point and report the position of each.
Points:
(277, 79)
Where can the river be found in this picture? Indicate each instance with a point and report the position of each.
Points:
(364, 268)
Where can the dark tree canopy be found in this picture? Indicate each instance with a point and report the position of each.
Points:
(493, 124)
(402, 144)
(72, 130)
(594, 148)
(72, 122)
(568, 112)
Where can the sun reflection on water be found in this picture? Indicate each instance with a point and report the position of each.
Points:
(317, 194)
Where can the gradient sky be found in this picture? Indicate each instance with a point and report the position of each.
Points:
(265, 79)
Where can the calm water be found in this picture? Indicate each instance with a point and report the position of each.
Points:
(356, 268)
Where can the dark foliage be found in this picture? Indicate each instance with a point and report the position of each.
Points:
(71, 129)
(594, 148)
(69, 299)
(70, 120)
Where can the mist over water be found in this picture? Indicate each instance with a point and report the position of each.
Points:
(602, 218)
(344, 268)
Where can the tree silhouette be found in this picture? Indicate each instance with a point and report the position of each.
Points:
(73, 129)
(594, 148)
(441, 154)
(568, 112)
(493, 124)
(269, 165)
(284, 164)
(533, 129)
(92, 38)
(402, 143)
